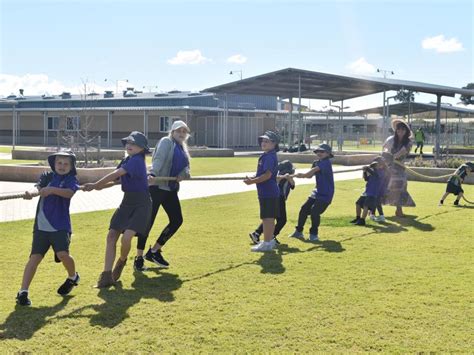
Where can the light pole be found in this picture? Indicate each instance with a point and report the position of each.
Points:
(232, 72)
(384, 73)
(116, 83)
(387, 105)
(341, 126)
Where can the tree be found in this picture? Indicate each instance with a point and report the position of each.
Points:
(406, 96)
(468, 100)
(78, 122)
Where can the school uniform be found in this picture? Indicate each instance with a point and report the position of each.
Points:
(384, 178)
(454, 185)
(52, 225)
(372, 186)
(285, 188)
(135, 209)
(268, 191)
(320, 198)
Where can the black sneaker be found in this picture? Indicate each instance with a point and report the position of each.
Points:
(22, 299)
(456, 203)
(255, 237)
(157, 258)
(441, 202)
(138, 264)
(360, 222)
(276, 240)
(355, 220)
(68, 285)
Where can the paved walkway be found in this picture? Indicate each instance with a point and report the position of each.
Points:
(18, 209)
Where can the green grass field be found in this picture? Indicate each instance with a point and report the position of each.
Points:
(405, 286)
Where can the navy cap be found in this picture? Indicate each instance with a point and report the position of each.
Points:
(69, 154)
(271, 136)
(137, 138)
(324, 148)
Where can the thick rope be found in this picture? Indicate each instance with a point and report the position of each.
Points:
(413, 172)
(164, 178)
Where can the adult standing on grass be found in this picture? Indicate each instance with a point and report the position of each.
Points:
(170, 158)
(419, 139)
(399, 146)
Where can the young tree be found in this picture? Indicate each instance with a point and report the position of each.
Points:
(468, 100)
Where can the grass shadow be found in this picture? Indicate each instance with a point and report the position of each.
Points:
(117, 300)
(411, 221)
(24, 321)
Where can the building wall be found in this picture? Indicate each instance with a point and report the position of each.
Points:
(207, 127)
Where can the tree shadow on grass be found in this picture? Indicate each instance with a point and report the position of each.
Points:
(24, 322)
(117, 300)
(412, 221)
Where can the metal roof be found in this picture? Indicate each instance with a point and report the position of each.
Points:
(401, 109)
(315, 85)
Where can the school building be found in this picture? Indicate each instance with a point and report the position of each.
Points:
(233, 121)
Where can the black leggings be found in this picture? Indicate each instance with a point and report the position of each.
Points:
(280, 221)
(170, 202)
(312, 207)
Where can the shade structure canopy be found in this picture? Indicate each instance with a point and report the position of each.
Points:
(402, 109)
(291, 82)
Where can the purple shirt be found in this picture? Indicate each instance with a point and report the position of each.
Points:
(180, 161)
(52, 213)
(373, 185)
(268, 162)
(135, 180)
(324, 181)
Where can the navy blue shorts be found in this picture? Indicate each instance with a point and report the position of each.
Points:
(369, 201)
(59, 240)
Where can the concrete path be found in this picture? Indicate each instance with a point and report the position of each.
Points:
(18, 209)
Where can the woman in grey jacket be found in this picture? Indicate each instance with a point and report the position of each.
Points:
(170, 158)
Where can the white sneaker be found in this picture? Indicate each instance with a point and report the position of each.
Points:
(263, 247)
(380, 218)
(372, 217)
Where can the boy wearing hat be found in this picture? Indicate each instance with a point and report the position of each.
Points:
(267, 188)
(52, 225)
(454, 185)
(368, 200)
(285, 185)
(322, 195)
(133, 214)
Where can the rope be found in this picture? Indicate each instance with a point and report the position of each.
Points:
(35, 194)
(162, 178)
(465, 199)
(413, 172)
(226, 178)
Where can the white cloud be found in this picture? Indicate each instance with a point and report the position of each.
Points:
(237, 59)
(442, 45)
(188, 57)
(361, 67)
(39, 84)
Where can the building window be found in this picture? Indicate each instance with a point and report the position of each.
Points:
(53, 123)
(73, 123)
(164, 124)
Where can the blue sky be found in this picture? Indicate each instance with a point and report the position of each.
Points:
(49, 46)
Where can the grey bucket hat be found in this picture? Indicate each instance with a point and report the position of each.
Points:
(69, 154)
(137, 138)
(324, 148)
(272, 136)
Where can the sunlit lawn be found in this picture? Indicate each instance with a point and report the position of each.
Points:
(403, 286)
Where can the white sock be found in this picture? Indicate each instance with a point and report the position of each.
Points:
(21, 291)
(73, 278)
